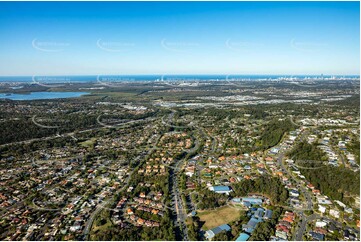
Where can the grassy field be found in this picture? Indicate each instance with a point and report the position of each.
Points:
(103, 228)
(222, 215)
(88, 143)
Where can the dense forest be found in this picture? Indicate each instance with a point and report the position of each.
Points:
(306, 151)
(24, 128)
(210, 200)
(274, 131)
(265, 185)
(338, 183)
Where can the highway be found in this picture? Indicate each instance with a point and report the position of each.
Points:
(178, 204)
(180, 211)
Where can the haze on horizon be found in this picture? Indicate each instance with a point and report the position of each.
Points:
(91, 38)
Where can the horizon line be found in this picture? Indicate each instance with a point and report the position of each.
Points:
(179, 74)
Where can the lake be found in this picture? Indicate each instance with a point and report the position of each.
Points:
(41, 95)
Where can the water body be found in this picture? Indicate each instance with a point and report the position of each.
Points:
(41, 95)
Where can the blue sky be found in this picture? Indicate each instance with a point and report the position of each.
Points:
(91, 38)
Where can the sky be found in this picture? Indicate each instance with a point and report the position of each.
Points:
(135, 38)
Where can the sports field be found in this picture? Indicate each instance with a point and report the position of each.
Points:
(222, 215)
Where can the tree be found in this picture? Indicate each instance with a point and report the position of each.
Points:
(223, 236)
(265, 185)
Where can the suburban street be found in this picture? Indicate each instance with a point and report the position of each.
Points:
(309, 204)
(100, 207)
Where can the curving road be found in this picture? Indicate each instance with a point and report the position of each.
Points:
(101, 206)
(304, 219)
(302, 228)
